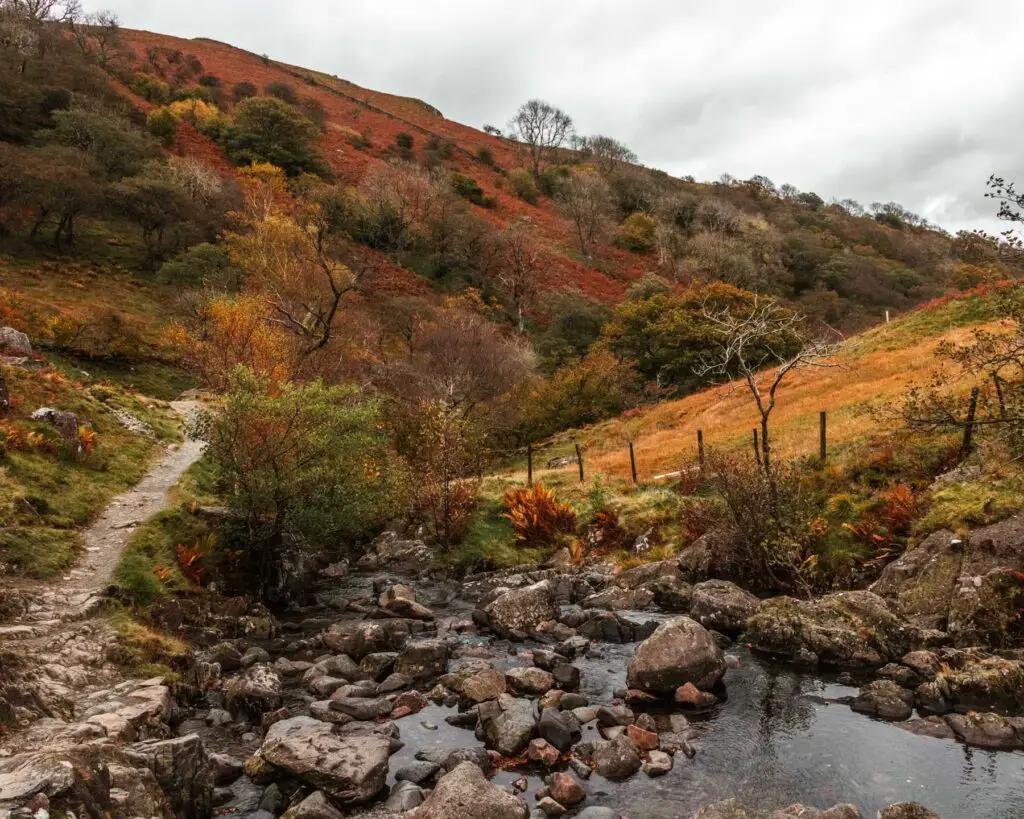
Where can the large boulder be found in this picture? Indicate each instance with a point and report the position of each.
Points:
(14, 343)
(846, 629)
(465, 793)
(357, 639)
(255, 692)
(920, 583)
(884, 699)
(722, 606)
(517, 612)
(183, 771)
(476, 683)
(351, 770)
(395, 553)
(510, 729)
(615, 758)
(400, 601)
(647, 573)
(680, 651)
(619, 599)
(421, 659)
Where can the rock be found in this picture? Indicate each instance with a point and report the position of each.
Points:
(422, 659)
(727, 809)
(929, 727)
(477, 683)
(224, 768)
(618, 599)
(643, 740)
(722, 606)
(326, 686)
(394, 682)
(692, 696)
(979, 682)
(253, 655)
(529, 680)
(920, 582)
(465, 793)
(671, 593)
(658, 764)
(314, 806)
(255, 692)
(615, 758)
(417, 772)
(584, 715)
(926, 664)
(14, 343)
(559, 728)
(66, 423)
(985, 731)
(549, 807)
(597, 813)
(680, 651)
(569, 700)
(567, 677)
(611, 715)
(361, 708)
(340, 665)
(884, 699)
(351, 770)
(845, 629)
(511, 730)
(405, 796)
(378, 665)
(907, 810)
(520, 611)
(566, 790)
(396, 553)
(226, 655)
(400, 601)
(540, 750)
(449, 758)
(356, 639)
(181, 768)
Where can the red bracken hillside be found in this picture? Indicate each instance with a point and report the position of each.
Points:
(354, 112)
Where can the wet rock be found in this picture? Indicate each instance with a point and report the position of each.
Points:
(361, 708)
(722, 606)
(584, 715)
(658, 764)
(540, 750)
(845, 629)
(405, 796)
(314, 806)
(476, 683)
(449, 758)
(255, 692)
(907, 810)
(560, 728)
(596, 812)
(226, 655)
(884, 699)
(253, 655)
(642, 739)
(529, 680)
(464, 793)
(680, 651)
(693, 697)
(615, 758)
(357, 639)
(511, 730)
(566, 790)
(394, 682)
(982, 683)
(567, 677)
(986, 731)
(671, 593)
(548, 659)
(423, 658)
(726, 809)
(549, 807)
(519, 611)
(351, 770)
(570, 700)
(225, 769)
(400, 601)
(340, 665)
(929, 727)
(611, 715)
(326, 686)
(899, 674)
(417, 772)
(378, 665)
(926, 664)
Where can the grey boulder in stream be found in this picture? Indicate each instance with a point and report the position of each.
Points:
(465, 793)
(680, 651)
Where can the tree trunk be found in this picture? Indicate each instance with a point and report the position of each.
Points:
(766, 447)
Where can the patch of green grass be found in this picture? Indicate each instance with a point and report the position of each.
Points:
(962, 506)
(144, 652)
(38, 552)
(153, 378)
(490, 543)
(152, 545)
(926, 323)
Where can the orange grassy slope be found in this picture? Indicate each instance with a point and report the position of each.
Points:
(353, 110)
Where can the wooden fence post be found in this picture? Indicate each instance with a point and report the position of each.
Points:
(972, 407)
(700, 448)
(823, 435)
(529, 464)
(757, 447)
(579, 459)
(632, 462)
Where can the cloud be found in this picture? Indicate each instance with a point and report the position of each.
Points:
(915, 101)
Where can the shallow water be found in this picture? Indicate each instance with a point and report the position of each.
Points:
(774, 741)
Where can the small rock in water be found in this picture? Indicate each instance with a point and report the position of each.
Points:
(550, 807)
(430, 726)
(521, 784)
(658, 764)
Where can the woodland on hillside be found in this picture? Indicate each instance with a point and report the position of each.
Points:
(386, 312)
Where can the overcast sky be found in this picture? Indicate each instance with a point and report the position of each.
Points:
(912, 100)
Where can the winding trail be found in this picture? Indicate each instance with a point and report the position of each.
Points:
(81, 590)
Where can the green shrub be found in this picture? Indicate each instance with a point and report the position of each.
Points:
(206, 265)
(551, 179)
(136, 581)
(192, 92)
(265, 129)
(163, 125)
(484, 154)
(404, 141)
(468, 188)
(243, 91)
(523, 185)
(151, 89)
(283, 92)
(638, 233)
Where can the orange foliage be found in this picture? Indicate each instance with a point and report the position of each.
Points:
(190, 561)
(86, 441)
(537, 517)
(901, 508)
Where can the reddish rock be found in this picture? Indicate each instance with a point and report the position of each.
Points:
(541, 750)
(401, 711)
(641, 739)
(413, 700)
(689, 694)
(272, 717)
(566, 790)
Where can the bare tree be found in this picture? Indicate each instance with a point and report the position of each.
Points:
(762, 345)
(542, 128)
(606, 152)
(585, 199)
(518, 267)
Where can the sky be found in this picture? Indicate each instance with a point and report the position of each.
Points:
(916, 101)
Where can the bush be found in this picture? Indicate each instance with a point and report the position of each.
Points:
(205, 264)
(537, 517)
(638, 233)
(243, 91)
(266, 129)
(468, 188)
(192, 92)
(551, 179)
(484, 154)
(404, 141)
(162, 124)
(306, 466)
(283, 92)
(523, 185)
(151, 89)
